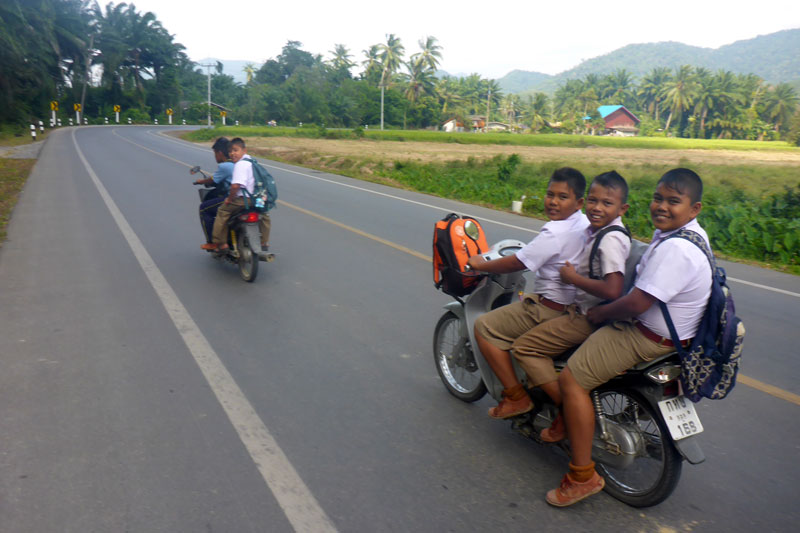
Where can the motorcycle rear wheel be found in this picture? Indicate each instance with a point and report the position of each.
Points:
(655, 471)
(248, 258)
(455, 361)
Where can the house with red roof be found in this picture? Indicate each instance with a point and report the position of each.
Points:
(619, 121)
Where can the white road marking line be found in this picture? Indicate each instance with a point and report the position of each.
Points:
(295, 499)
(736, 280)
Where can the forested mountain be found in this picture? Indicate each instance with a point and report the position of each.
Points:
(775, 58)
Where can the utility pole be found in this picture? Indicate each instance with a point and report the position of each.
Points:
(488, 99)
(208, 71)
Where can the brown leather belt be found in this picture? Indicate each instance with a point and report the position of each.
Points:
(555, 306)
(658, 339)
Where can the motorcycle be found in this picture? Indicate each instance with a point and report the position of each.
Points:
(644, 428)
(244, 236)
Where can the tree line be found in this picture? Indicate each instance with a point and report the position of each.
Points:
(74, 51)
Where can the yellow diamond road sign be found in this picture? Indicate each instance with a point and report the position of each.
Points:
(223, 114)
(116, 109)
(77, 107)
(54, 105)
(169, 111)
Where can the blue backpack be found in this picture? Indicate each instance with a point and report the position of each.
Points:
(265, 191)
(709, 366)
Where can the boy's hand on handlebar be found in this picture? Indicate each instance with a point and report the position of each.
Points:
(476, 261)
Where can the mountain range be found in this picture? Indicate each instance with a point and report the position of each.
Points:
(774, 57)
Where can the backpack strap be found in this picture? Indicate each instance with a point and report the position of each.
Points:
(602, 233)
(698, 240)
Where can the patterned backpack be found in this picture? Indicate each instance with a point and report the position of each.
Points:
(709, 366)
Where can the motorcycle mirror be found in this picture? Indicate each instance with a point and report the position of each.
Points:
(471, 229)
(194, 169)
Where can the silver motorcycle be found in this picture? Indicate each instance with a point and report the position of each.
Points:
(644, 427)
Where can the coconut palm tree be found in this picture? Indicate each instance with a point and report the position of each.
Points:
(250, 71)
(341, 61)
(781, 102)
(447, 90)
(680, 92)
(536, 111)
(651, 88)
(431, 53)
(391, 56)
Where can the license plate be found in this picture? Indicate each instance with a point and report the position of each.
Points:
(681, 418)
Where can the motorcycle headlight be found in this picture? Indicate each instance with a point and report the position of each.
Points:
(664, 373)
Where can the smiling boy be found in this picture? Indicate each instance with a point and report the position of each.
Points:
(604, 279)
(506, 328)
(673, 271)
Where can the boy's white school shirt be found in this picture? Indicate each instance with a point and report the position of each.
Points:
(243, 174)
(611, 257)
(558, 241)
(676, 272)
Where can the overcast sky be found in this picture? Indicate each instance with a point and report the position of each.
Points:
(490, 38)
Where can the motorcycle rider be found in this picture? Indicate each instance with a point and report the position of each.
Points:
(673, 271)
(222, 182)
(242, 178)
(507, 328)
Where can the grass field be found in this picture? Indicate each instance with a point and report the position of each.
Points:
(502, 139)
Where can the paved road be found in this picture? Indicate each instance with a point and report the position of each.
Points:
(146, 387)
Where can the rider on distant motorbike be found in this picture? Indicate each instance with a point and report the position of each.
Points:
(222, 182)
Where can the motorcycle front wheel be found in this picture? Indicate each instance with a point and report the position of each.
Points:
(455, 361)
(248, 258)
(656, 468)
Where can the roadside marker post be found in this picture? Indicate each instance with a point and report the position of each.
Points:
(77, 108)
(184, 122)
(33, 132)
(117, 109)
(106, 119)
(53, 109)
(156, 122)
(41, 127)
(223, 114)
(70, 121)
(59, 123)
(169, 115)
(129, 120)
(85, 121)
(237, 122)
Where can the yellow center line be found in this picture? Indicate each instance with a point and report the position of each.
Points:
(744, 380)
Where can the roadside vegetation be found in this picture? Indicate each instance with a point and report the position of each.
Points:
(13, 173)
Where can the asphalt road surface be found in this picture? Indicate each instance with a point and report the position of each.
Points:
(146, 388)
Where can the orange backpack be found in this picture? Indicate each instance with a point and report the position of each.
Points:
(452, 247)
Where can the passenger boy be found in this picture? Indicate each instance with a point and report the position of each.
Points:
(606, 202)
(507, 328)
(242, 178)
(673, 271)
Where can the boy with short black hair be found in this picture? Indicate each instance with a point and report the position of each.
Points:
(242, 178)
(506, 328)
(602, 280)
(674, 271)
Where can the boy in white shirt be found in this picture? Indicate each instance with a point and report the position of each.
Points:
(606, 202)
(505, 328)
(242, 178)
(674, 271)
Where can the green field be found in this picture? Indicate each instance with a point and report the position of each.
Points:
(552, 139)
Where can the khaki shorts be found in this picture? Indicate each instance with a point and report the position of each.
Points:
(610, 351)
(549, 340)
(507, 327)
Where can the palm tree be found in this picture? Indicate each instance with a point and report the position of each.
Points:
(619, 87)
(680, 92)
(447, 90)
(781, 102)
(536, 111)
(651, 88)
(391, 55)
(419, 81)
(713, 93)
(372, 64)
(431, 53)
(341, 61)
(250, 71)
